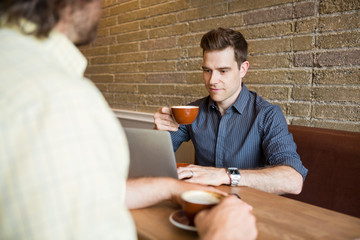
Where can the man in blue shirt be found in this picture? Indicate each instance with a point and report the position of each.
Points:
(239, 138)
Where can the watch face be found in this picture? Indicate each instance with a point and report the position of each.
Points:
(234, 171)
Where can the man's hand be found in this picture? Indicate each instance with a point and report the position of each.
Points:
(144, 192)
(204, 175)
(164, 121)
(230, 219)
(180, 186)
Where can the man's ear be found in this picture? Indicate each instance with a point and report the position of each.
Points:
(243, 68)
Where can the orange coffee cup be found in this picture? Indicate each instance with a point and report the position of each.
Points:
(194, 201)
(184, 114)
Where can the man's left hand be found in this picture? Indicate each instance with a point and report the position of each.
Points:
(204, 175)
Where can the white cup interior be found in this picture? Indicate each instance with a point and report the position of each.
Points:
(184, 107)
(200, 197)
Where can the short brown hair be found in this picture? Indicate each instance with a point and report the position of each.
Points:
(45, 14)
(221, 38)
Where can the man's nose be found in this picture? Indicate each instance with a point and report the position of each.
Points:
(214, 78)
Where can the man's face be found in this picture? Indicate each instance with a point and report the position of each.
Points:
(85, 19)
(222, 76)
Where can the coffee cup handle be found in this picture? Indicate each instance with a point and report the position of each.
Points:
(236, 195)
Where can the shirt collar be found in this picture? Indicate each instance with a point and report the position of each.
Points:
(67, 54)
(57, 44)
(240, 103)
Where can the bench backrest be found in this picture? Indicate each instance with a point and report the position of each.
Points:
(333, 160)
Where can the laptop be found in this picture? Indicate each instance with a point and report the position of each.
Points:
(151, 153)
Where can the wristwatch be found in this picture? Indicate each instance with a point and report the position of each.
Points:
(234, 176)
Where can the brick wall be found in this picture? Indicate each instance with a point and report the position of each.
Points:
(304, 55)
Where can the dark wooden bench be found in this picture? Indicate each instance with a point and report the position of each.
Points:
(333, 160)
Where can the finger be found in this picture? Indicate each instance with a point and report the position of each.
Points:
(165, 128)
(165, 110)
(165, 123)
(181, 169)
(186, 169)
(234, 200)
(185, 174)
(161, 116)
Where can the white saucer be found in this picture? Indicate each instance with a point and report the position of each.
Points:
(179, 220)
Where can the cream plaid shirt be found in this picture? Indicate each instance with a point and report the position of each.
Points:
(63, 154)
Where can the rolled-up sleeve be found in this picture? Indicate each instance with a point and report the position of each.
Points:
(277, 142)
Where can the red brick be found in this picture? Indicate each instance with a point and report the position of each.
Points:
(122, 88)
(149, 3)
(190, 40)
(168, 7)
(298, 109)
(96, 51)
(331, 6)
(305, 9)
(178, 29)
(196, 90)
(109, 21)
(344, 76)
(131, 57)
(102, 60)
(166, 54)
(208, 24)
(125, 28)
(305, 26)
(339, 40)
(303, 43)
(278, 77)
(328, 124)
(123, 8)
(162, 20)
(123, 48)
(126, 68)
(270, 61)
(130, 78)
(157, 89)
(104, 41)
(164, 100)
(194, 77)
(339, 22)
(269, 30)
(166, 78)
(302, 93)
(102, 78)
(195, 52)
(132, 37)
(158, 44)
(268, 15)
(189, 65)
(133, 15)
(336, 94)
(203, 12)
(157, 67)
(338, 58)
(336, 112)
(304, 60)
(244, 5)
(270, 46)
(271, 92)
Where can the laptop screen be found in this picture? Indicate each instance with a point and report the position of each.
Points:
(151, 153)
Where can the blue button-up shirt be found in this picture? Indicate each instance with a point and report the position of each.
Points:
(252, 133)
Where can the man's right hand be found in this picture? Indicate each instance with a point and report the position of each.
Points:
(164, 121)
(231, 219)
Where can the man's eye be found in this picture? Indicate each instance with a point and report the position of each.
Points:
(206, 70)
(224, 71)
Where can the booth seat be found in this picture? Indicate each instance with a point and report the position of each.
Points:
(333, 160)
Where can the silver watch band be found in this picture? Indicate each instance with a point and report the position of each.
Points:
(234, 176)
